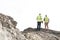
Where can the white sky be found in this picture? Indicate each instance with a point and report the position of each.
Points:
(25, 12)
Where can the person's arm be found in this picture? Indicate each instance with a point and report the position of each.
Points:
(44, 19)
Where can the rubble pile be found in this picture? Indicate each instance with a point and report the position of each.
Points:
(8, 31)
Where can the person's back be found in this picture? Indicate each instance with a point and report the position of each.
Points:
(46, 21)
(39, 20)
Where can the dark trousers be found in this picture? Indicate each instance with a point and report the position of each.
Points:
(38, 25)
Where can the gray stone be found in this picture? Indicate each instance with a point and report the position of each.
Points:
(8, 31)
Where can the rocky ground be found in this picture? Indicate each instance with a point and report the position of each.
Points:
(8, 31)
(33, 34)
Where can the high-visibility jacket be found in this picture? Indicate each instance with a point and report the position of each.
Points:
(39, 18)
(46, 19)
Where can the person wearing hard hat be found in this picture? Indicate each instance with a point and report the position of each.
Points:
(39, 21)
(46, 21)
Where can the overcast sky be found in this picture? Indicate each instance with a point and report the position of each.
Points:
(25, 12)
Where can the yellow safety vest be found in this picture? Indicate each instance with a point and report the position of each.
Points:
(39, 18)
(46, 19)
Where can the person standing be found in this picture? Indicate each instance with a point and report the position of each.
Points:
(46, 22)
(39, 21)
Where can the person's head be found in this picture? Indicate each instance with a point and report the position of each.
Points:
(45, 15)
(39, 13)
